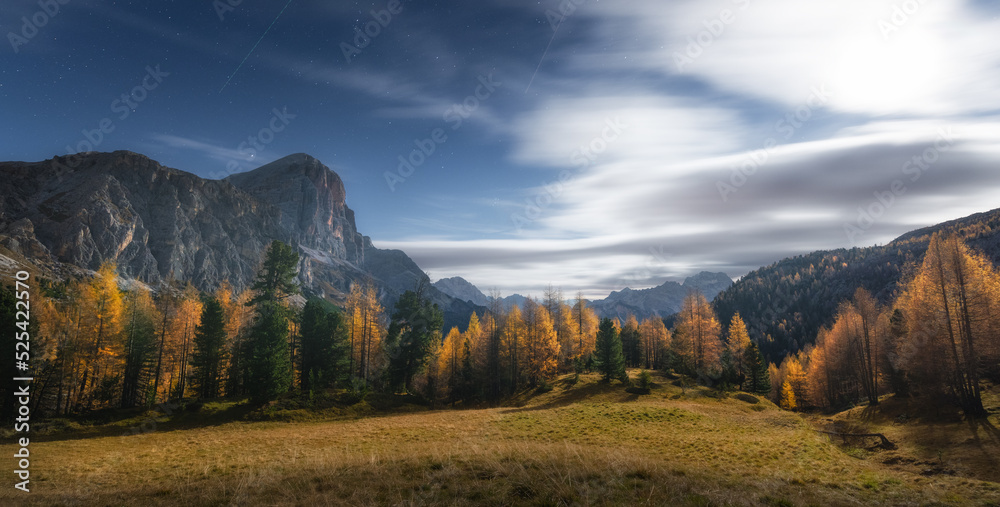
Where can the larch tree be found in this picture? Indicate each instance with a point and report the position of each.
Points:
(950, 307)
(540, 344)
(656, 340)
(585, 325)
(512, 335)
(737, 344)
(450, 361)
(788, 401)
(702, 329)
(182, 329)
(365, 317)
(492, 331)
(103, 308)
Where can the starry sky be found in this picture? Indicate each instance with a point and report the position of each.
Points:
(587, 144)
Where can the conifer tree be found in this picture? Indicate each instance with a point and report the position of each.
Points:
(209, 351)
(415, 323)
(268, 359)
(788, 396)
(323, 361)
(608, 355)
(759, 381)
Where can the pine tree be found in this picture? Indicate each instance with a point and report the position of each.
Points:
(139, 348)
(268, 359)
(324, 357)
(209, 351)
(269, 363)
(759, 378)
(608, 354)
(415, 323)
(631, 342)
(276, 279)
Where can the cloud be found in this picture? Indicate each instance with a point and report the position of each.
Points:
(601, 234)
(937, 59)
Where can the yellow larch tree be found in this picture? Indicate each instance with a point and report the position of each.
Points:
(541, 346)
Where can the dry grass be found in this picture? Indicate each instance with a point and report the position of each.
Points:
(585, 444)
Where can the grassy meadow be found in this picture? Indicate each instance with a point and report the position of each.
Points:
(582, 443)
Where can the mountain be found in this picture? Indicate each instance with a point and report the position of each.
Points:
(68, 215)
(792, 299)
(661, 301)
(460, 288)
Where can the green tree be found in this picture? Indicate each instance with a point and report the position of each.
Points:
(268, 358)
(608, 354)
(324, 354)
(269, 361)
(759, 380)
(209, 349)
(140, 349)
(415, 323)
(276, 279)
(631, 342)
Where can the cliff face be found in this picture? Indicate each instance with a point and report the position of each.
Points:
(158, 223)
(152, 221)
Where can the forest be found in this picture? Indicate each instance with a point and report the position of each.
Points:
(101, 343)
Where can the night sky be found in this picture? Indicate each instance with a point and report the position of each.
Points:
(590, 144)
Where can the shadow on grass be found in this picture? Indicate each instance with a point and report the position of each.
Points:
(183, 416)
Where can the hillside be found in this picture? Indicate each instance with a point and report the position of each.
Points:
(582, 443)
(791, 299)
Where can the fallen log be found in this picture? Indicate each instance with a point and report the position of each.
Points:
(886, 444)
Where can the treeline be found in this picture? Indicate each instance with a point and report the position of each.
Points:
(97, 344)
(786, 304)
(938, 340)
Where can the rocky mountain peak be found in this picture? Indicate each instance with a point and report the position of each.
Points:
(312, 204)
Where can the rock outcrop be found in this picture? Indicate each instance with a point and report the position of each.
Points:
(157, 223)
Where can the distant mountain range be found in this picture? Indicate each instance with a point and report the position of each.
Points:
(68, 215)
(790, 300)
(661, 301)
